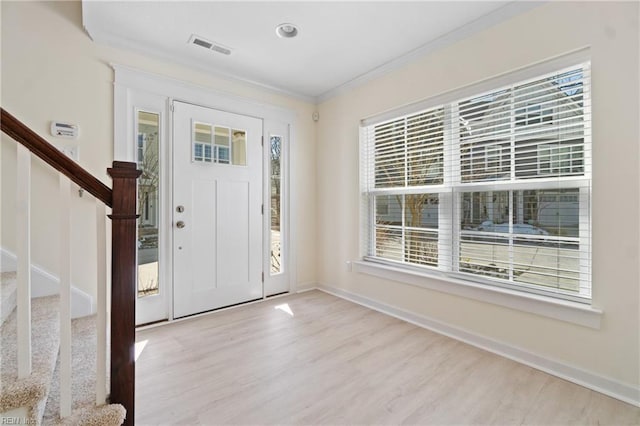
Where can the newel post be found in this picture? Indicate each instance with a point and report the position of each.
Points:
(123, 287)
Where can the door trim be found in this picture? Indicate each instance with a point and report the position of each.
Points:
(129, 82)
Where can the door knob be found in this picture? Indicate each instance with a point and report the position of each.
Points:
(180, 224)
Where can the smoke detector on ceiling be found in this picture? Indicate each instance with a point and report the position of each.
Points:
(287, 30)
(209, 45)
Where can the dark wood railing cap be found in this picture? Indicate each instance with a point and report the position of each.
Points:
(124, 165)
(122, 169)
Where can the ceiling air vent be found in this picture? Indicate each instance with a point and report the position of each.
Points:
(221, 49)
(216, 47)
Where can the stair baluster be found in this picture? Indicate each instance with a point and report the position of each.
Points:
(23, 248)
(65, 296)
(101, 303)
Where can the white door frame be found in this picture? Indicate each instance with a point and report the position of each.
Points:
(156, 307)
(131, 85)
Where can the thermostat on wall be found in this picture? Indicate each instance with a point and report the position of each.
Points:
(64, 130)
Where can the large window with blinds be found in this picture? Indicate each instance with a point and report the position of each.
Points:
(492, 187)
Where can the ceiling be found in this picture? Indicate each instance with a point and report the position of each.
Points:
(339, 43)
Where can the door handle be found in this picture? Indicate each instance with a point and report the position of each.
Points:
(180, 224)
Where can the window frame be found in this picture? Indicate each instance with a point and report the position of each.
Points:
(493, 148)
(455, 189)
(554, 160)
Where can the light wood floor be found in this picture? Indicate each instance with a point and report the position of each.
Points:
(334, 362)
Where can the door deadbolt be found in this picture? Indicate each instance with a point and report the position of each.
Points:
(180, 209)
(180, 224)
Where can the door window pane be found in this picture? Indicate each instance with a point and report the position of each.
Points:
(222, 144)
(219, 144)
(239, 148)
(202, 142)
(148, 201)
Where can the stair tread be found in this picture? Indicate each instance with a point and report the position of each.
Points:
(7, 294)
(7, 282)
(103, 415)
(83, 377)
(45, 331)
(42, 386)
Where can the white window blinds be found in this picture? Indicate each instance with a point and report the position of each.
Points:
(494, 187)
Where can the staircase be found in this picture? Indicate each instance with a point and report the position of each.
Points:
(35, 400)
(55, 369)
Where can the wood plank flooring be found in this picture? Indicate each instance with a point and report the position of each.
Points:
(334, 362)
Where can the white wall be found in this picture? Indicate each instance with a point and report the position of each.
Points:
(51, 70)
(611, 31)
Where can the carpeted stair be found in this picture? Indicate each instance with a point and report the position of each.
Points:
(31, 392)
(83, 381)
(7, 294)
(40, 390)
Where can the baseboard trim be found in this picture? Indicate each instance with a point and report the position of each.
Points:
(44, 283)
(309, 286)
(605, 385)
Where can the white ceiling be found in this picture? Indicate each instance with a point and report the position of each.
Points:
(339, 43)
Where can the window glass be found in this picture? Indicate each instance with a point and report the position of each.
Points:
(425, 148)
(148, 202)
(239, 148)
(202, 135)
(531, 237)
(485, 137)
(222, 144)
(219, 144)
(275, 182)
(410, 151)
(421, 229)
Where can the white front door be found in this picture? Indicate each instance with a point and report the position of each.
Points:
(217, 209)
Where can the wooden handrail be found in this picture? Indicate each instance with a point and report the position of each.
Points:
(56, 159)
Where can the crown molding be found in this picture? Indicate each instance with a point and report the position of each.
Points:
(120, 43)
(486, 21)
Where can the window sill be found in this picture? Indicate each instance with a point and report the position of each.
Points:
(572, 312)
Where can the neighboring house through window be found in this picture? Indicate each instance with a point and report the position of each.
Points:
(141, 147)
